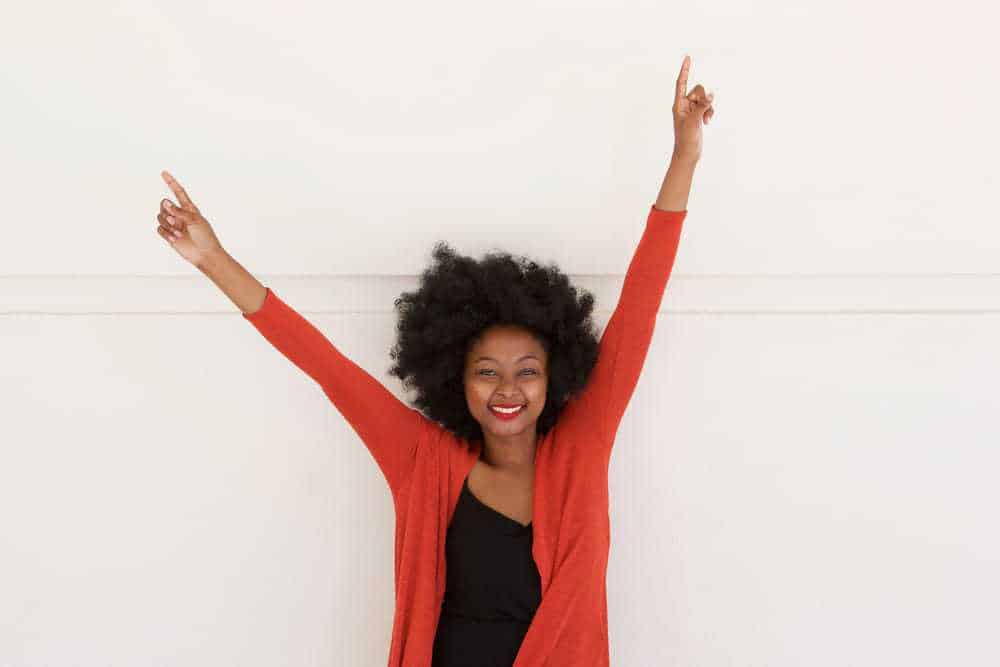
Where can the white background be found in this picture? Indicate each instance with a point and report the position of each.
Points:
(806, 474)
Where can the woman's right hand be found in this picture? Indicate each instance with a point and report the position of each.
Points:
(183, 226)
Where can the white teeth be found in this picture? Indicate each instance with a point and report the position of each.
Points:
(507, 411)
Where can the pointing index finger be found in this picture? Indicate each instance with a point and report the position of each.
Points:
(182, 196)
(682, 78)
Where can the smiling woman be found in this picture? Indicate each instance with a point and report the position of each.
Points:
(507, 397)
(518, 578)
(502, 330)
(495, 348)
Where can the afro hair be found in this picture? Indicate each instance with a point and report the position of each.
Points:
(458, 299)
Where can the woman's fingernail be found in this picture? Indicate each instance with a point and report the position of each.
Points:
(171, 220)
(167, 205)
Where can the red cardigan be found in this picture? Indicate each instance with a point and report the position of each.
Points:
(425, 465)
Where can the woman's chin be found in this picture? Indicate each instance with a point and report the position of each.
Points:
(507, 427)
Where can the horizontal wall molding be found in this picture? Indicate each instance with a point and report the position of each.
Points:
(346, 294)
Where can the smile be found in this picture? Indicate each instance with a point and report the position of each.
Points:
(506, 413)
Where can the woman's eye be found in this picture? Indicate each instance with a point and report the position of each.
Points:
(530, 370)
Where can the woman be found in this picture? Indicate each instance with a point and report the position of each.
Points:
(499, 478)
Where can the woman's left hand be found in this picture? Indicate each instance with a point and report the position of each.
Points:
(690, 110)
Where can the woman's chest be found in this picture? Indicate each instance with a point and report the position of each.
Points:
(511, 496)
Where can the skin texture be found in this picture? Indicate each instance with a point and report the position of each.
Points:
(507, 445)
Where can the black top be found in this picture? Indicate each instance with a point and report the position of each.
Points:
(492, 589)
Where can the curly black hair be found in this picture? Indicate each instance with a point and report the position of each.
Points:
(458, 299)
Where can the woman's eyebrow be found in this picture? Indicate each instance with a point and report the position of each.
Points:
(527, 356)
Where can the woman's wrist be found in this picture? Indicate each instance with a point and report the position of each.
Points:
(685, 157)
(676, 185)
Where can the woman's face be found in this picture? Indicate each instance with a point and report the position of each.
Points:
(506, 366)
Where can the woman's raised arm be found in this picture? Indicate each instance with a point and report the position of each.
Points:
(188, 232)
(628, 334)
(389, 428)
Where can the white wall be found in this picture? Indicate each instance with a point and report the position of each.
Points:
(806, 473)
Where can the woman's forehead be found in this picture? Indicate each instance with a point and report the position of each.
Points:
(507, 340)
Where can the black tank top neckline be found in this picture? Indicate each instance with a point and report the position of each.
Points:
(510, 521)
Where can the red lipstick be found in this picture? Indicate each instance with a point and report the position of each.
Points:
(504, 416)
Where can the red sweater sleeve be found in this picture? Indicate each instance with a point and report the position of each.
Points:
(628, 333)
(389, 428)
